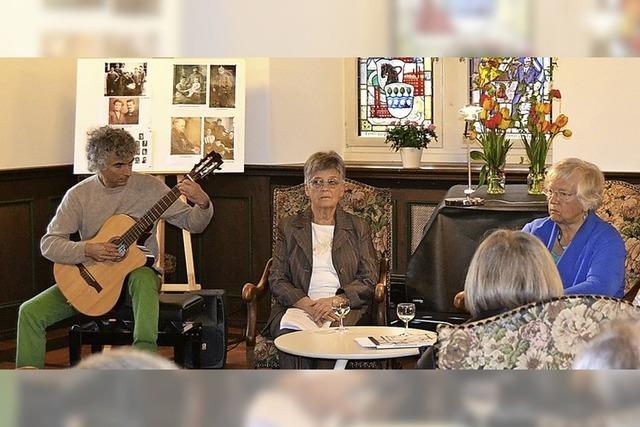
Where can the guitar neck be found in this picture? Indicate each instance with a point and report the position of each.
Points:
(148, 219)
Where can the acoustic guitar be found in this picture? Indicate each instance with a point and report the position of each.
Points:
(93, 287)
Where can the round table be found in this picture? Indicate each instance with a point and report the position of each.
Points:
(341, 346)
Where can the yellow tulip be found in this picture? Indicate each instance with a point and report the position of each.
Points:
(504, 124)
(567, 133)
(505, 112)
(546, 107)
(483, 114)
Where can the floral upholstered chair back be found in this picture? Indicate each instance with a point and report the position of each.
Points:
(621, 208)
(541, 335)
(369, 203)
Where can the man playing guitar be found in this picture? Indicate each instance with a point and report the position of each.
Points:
(112, 190)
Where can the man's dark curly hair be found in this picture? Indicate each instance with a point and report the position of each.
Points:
(106, 140)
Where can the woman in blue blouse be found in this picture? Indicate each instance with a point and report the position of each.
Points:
(589, 252)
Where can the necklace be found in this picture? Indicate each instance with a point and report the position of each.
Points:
(563, 247)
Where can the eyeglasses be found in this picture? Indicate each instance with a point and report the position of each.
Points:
(562, 195)
(319, 183)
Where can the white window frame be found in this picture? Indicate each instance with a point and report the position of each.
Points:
(450, 93)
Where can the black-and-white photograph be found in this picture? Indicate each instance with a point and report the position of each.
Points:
(125, 78)
(222, 93)
(218, 136)
(190, 84)
(185, 135)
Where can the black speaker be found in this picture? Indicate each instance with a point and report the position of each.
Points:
(213, 349)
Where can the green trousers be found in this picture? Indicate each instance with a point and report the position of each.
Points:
(50, 306)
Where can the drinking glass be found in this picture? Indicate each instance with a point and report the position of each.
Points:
(406, 311)
(341, 308)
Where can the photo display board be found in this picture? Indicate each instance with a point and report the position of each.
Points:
(178, 109)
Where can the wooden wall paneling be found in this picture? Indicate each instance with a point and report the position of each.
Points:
(17, 258)
(28, 199)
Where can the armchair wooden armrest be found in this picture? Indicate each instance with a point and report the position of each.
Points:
(251, 294)
(380, 294)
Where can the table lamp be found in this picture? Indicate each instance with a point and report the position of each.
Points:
(470, 115)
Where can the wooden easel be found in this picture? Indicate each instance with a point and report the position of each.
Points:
(191, 284)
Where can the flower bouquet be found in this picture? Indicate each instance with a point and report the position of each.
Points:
(490, 132)
(537, 134)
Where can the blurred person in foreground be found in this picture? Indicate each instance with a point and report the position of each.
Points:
(320, 255)
(589, 252)
(618, 347)
(126, 358)
(509, 269)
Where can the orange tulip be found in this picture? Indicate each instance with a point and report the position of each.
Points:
(472, 134)
(562, 120)
(567, 133)
(547, 107)
(554, 128)
(544, 126)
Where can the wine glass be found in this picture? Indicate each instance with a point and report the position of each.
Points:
(406, 311)
(341, 308)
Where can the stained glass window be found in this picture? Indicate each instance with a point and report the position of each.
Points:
(512, 82)
(393, 89)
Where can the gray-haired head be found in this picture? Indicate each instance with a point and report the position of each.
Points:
(324, 160)
(510, 269)
(127, 358)
(618, 347)
(104, 141)
(589, 177)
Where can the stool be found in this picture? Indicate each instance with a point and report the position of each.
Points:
(176, 327)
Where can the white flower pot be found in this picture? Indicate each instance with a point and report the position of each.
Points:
(411, 157)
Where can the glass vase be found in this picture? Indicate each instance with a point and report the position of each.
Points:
(495, 181)
(535, 181)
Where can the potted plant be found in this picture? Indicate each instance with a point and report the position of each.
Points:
(410, 138)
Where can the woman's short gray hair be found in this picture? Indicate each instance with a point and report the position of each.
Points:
(618, 347)
(510, 269)
(104, 141)
(590, 180)
(323, 160)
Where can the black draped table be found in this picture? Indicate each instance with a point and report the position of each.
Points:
(437, 269)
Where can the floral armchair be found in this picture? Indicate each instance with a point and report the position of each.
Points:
(540, 335)
(621, 208)
(369, 203)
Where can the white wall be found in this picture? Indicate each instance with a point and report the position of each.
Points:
(306, 108)
(296, 107)
(601, 96)
(37, 112)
